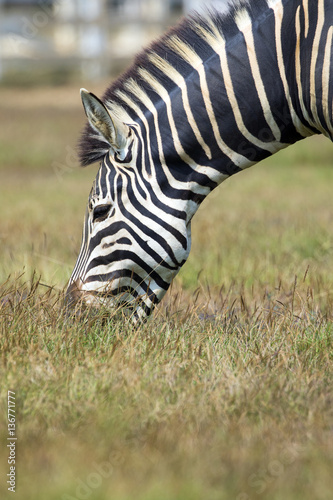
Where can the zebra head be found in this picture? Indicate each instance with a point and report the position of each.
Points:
(134, 239)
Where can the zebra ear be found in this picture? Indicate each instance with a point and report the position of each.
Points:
(113, 130)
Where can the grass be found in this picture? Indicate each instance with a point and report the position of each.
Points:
(226, 393)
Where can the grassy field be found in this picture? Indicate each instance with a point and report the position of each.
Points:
(226, 393)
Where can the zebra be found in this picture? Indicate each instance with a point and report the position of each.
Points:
(215, 95)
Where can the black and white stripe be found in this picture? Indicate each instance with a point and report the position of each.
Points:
(215, 95)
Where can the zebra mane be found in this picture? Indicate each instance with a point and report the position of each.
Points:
(92, 146)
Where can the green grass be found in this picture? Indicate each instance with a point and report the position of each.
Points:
(225, 393)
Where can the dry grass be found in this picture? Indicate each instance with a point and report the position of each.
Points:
(226, 393)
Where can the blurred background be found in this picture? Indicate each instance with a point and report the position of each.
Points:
(54, 41)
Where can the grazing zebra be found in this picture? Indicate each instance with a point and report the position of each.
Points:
(215, 95)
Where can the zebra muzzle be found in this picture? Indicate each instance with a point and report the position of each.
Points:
(73, 295)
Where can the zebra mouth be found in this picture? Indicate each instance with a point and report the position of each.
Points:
(126, 300)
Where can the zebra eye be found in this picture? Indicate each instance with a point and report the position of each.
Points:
(101, 212)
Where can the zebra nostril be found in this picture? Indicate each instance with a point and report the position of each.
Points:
(121, 241)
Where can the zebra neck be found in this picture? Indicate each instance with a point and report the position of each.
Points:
(256, 87)
(303, 33)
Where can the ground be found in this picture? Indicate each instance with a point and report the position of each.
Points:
(226, 393)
